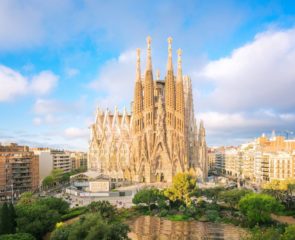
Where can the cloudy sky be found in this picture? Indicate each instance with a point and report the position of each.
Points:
(61, 59)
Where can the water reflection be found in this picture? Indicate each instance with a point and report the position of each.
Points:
(152, 228)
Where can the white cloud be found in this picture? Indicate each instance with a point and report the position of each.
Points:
(20, 25)
(116, 80)
(258, 75)
(44, 106)
(71, 72)
(13, 84)
(44, 82)
(250, 91)
(74, 132)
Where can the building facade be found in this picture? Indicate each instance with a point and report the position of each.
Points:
(50, 159)
(159, 138)
(19, 171)
(78, 160)
(259, 161)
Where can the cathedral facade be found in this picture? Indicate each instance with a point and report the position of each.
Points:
(159, 138)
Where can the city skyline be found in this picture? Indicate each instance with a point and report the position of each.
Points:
(60, 61)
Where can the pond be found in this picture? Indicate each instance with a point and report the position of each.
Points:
(152, 228)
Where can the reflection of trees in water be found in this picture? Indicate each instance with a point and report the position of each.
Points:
(150, 228)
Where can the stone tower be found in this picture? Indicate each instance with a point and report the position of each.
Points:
(159, 138)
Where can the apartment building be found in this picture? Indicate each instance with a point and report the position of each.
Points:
(78, 160)
(19, 171)
(50, 159)
(259, 161)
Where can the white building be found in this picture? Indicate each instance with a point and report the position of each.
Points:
(50, 159)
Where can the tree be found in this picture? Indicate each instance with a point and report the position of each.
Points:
(17, 236)
(147, 196)
(258, 207)
(263, 234)
(211, 193)
(183, 186)
(61, 233)
(282, 190)
(104, 208)
(57, 204)
(92, 227)
(232, 197)
(48, 181)
(40, 216)
(26, 198)
(289, 233)
(5, 226)
(36, 219)
(12, 218)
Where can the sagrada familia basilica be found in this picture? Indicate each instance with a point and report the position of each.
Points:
(159, 138)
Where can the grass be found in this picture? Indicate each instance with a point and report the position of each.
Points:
(178, 217)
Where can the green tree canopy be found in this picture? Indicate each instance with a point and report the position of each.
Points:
(258, 207)
(17, 236)
(40, 216)
(5, 226)
(26, 198)
(48, 181)
(289, 233)
(104, 208)
(263, 234)
(211, 193)
(12, 218)
(183, 186)
(57, 204)
(233, 196)
(148, 197)
(92, 227)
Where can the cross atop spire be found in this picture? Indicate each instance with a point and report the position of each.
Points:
(179, 53)
(169, 63)
(158, 74)
(149, 55)
(138, 74)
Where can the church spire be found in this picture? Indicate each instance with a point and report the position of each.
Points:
(138, 72)
(170, 89)
(149, 54)
(138, 97)
(179, 66)
(169, 63)
(180, 108)
(149, 88)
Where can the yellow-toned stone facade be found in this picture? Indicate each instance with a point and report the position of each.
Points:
(159, 138)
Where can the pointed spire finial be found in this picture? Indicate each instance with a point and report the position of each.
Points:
(138, 74)
(169, 64)
(149, 55)
(158, 74)
(179, 53)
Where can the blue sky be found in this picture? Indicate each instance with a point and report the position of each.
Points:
(61, 59)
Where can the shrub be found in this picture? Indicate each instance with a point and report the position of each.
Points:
(75, 212)
(289, 233)
(258, 207)
(163, 213)
(148, 197)
(17, 236)
(263, 234)
(212, 215)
